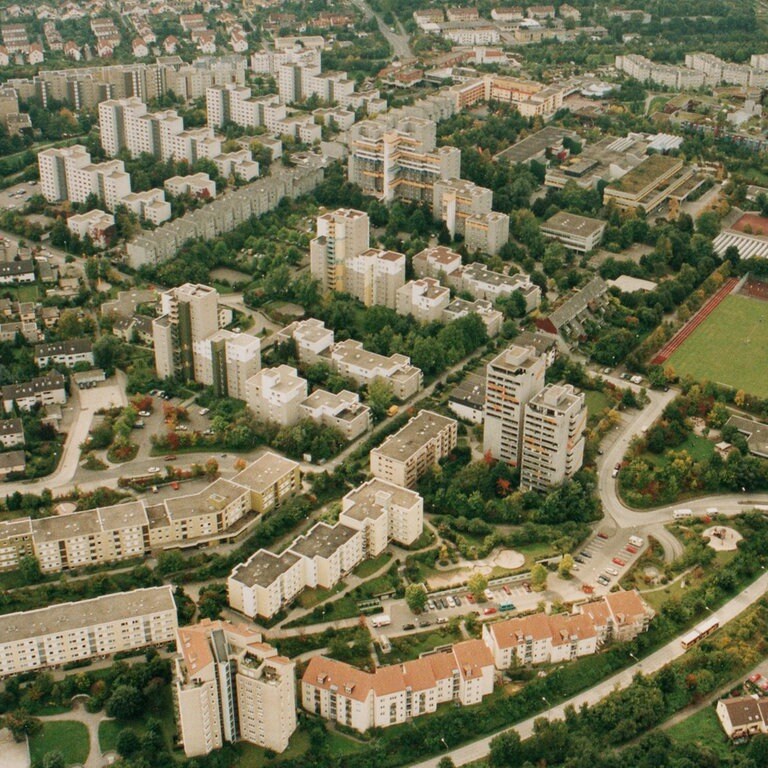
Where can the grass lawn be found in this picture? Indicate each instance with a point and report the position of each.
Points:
(339, 744)
(409, 647)
(311, 597)
(699, 449)
(24, 292)
(597, 402)
(702, 729)
(110, 729)
(728, 347)
(252, 756)
(369, 567)
(657, 104)
(66, 736)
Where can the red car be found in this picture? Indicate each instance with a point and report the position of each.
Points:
(489, 611)
(471, 598)
(602, 535)
(631, 549)
(619, 561)
(507, 589)
(527, 586)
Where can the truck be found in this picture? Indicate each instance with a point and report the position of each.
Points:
(381, 620)
(635, 541)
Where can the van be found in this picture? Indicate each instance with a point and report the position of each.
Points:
(635, 541)
(381, 620)
(680, 513)
(442, 620)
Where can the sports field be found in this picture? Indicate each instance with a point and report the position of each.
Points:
(729, 347)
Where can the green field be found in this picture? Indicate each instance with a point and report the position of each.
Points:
(703, 729)
(66, 736)
(729, 347)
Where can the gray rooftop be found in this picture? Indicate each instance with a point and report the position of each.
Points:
(11, 427)
(213, 498)
(419, 431)
(571, 224)
(577, 303)
(534, 145)
(322, 540)
(371, 499)
(263, 568)
(265, 471)
(470, 392)
(755, 431)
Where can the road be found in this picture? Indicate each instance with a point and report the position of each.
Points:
(673, 650)
(399, 41)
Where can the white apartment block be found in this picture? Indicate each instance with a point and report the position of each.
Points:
(135, 528)
(362, 700)
(312, 339)
(484, 283)
(227, 360)
(341, 235)
(71, 632)
(275, 394)
(194, 184)
(238, 163)
(65, 353)
(461, 33)
(67, 173)
(577, 233)
(126, 124)
(455, 199)
(298, 81)
(553, 437)
(645, 70)
(486, 232)
(150, 205)
(374, 276)
(268, 62)
(512, 378)
(42, 390)
(384, 512)
(230, 686)
(436, 261)
(350, 359)
(343, 411)
(400, 160)
(235, 104)
(11, 433)
(550, 639)
(718, 71)
(424, 298)
(194, 144)
(407, 455)
(96, 224)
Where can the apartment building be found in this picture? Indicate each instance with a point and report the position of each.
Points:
(718, 71)
(400, 160)
(408, 454)
(570, 316)
(268, 62)
(453, 200)
(650, 184)
(554, 427)
(70, 632)
(486, 232)
(512, 379)
(383, 512)
(395, 694)
(483, 283)
(425, 299)
(11, 433)
(550, 639)
(96, 224)
(374, 276)
(297, 81)
(577, 233)
(188, 315)
(194, 184)
(42, 390)
(342, 411)
(645, 70)
(436, 261)
(135, 528)
(350, 359)
(230, 686)
(227, 360)
(235, 104)
(341, 235)
(312, 340)
(67, 353)
(492, 318)
(275, 394)
(743, 716)
(149, 204)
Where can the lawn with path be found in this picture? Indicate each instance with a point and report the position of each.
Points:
(66, 736)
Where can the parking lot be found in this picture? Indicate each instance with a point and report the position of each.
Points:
(604, 558)
(17, 195)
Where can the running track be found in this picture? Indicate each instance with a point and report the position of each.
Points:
(677, 340)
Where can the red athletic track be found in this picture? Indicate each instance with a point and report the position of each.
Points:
(677, 340)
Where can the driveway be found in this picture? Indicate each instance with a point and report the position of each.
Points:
(15, 754)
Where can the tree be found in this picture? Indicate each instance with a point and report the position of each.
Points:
(538, 578)
(380, 397)
(107, 351)
(416, 597)
(127, 743)
(565, 566)
(446, 762)
(29, 568)
(22, 725)
(124, 703)
(506, 750)
(477, 584)
(53, 759)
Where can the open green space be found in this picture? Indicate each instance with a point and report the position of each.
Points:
(251, 756)
(698, 448)
(597, 402)
(66, 736)
(729, 346)
(702, 729)
(369, 567)
(109, 730)
(409, 647)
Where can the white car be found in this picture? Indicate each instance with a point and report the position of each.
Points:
(612, 571)
(144, 413)
(153, 470)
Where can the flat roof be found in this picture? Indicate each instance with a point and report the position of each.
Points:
(265, 471)
(534, 144)
(646, 173)
(25, 625)
(212, 499)
(470, 392)
(322, 540)
(571, 224)
(368, 500)
(263, 567)
(422, 428)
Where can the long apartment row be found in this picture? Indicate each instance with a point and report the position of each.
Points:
(135, 528)
(382, 510)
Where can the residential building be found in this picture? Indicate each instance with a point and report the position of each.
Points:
(271, 479)
(362, 700)
(554, 424)
(577, 233)
(455, 199)
(11, 433)
(341, 235)
(400, 161)
(43, 390)
(188, 315)
(236, 104)
(12, 463)
(239, 163)
(374, 276)
(12, 272)
(486, 232)
(77, 631)
(550, 639)
(425, 299)
(67, 353)
(755, 432)
(150, 205)
(342, 410)
(458, 308)
(484, 283)
(350, 359)
(512, 379)
(650, 184)
(230, 686)
(96, 224)
(275, 394)
(571, 314)
(226, 361)
(194, 184)
(743, 716)
(313, 341)
(407, 455)
(436, 261)
(645, 70)
(467, 399)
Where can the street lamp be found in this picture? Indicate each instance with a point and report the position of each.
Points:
(635, 657)
(444, 742)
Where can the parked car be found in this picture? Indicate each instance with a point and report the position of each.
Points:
(602, 535)
(490, 610)
(408, 626)
(602, 580)
(527, 586)
(507, 589)
(144, 413)
(612, 571)
(579, 559)
(584, 553)
(619, 561)
(442, 620)
(153, 470)
(170, 457)
(425, 623)
(632, 550)
(470, 597)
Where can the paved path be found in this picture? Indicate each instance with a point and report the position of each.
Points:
(673, 650)
(91, 721)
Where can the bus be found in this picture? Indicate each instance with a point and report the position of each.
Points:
(700, 631)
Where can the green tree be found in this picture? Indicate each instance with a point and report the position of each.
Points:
(124, 703)
(22, 725)
(127, 743)
(538, 578)
(506, 750)
(53, 759)
(29, 568)
(565, 566)
(380, 397)
(416, 597)
(477, 584)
